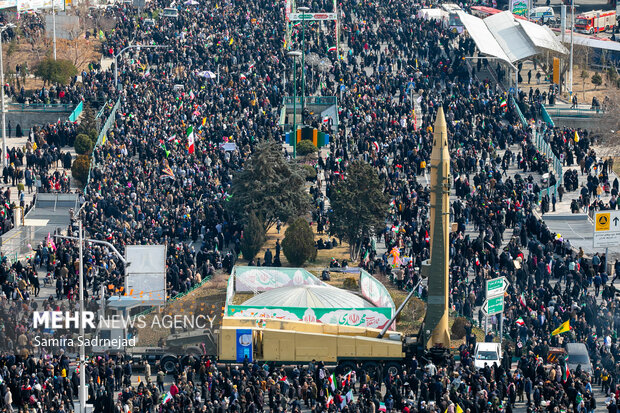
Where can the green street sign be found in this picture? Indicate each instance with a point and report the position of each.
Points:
(305, 16)
(494, 305)
(496, 286)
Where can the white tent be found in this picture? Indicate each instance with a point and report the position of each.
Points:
(480, 33)
(510, 36)
(509, 39)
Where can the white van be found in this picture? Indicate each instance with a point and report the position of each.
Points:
(542, 14)
(487, 353)
(171, 12)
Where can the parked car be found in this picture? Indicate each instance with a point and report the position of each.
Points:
(578, 355)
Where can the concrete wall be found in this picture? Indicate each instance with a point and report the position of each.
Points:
(30, 118)
(591, 124)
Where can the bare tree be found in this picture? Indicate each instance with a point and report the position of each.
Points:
(75, 48)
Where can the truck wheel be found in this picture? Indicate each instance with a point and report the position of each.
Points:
(345, 367)
(168, 363)
(392, 368)
(373, 370)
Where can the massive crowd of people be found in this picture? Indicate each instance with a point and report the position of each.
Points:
(224, 71)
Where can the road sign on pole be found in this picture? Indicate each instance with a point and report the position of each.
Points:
(313, 16)
(496, 286)
(493, 305)
(606, 229)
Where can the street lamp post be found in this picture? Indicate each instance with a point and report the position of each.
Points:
(54, 27)
(133, 46)
(80, 239)
(304, 10)
(2, 106)
(294, 54)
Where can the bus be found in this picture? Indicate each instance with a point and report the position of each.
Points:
(484, 11)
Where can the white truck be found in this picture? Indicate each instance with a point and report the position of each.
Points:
(487, 354)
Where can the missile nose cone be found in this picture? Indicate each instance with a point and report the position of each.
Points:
(440, 120)
(440, 135)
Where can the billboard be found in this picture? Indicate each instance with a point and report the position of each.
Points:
(146, 274)
(519, 7)
(67, 27)
(374, 291)
(4, 4)
(371, 317)
(24, 5)
(254, 279)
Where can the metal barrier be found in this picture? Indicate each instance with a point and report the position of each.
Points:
(546, 117)
(544, 148)
(108, 123)
(573, 112)
(518, 109)
(102, 110)
(76, 112)
(102, 133)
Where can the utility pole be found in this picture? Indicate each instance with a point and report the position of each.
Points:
(4, 152)
(80, 238)
(2, 105)
(82, 389)
(562, 23)
(54, 27)
(294, 54)
(572, 29)
(304, 10)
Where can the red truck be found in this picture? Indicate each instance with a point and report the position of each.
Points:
(595, 21)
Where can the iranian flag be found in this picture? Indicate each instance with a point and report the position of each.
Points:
(332, 381)
(190, 140)
(522, 300)
(365, 259)
(503, 103)
(167, 398)
(347, 377)
(520, 321)
(331, 49)
(566, 371)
